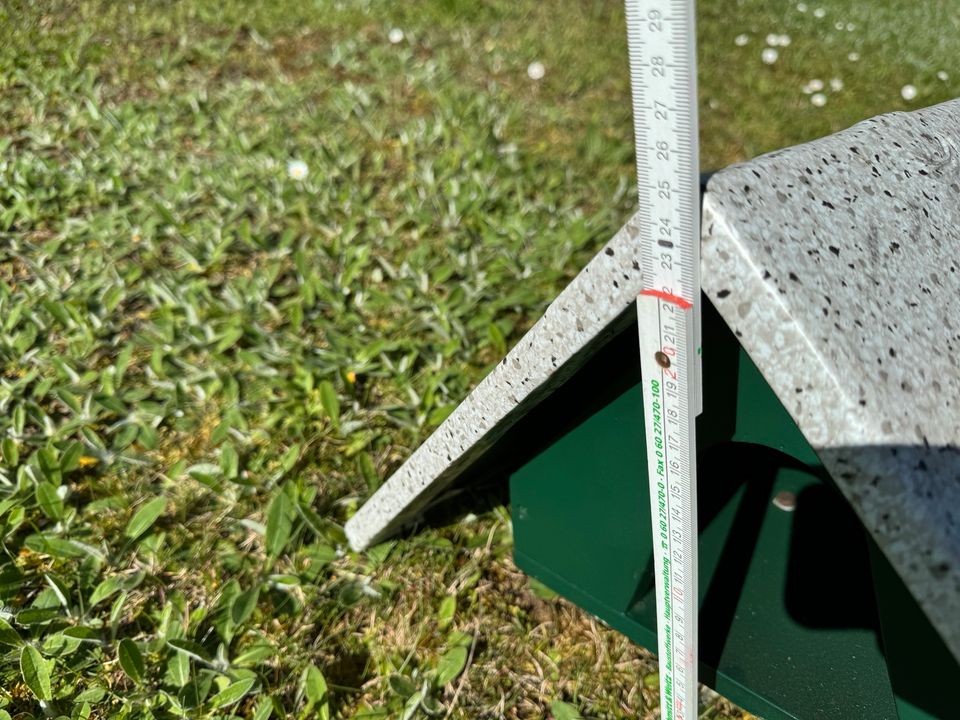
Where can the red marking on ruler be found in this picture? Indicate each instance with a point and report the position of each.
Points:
(675, 299)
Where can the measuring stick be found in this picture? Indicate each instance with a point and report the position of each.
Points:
(663, 71)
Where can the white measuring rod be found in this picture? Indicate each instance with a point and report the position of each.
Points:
(663, 71)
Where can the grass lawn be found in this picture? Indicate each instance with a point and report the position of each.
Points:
(206, 366)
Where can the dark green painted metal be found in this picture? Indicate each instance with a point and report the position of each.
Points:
(922, 669)
(789, 627)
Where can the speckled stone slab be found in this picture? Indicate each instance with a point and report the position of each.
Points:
(551, 351)
(837, 264)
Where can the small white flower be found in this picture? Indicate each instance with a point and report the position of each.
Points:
(769, 55)
(297, 169)
(369, 590)
(853, 57)
(851, 27)
(395, 36)
(741, 40)
(801, 7)
(819, 13)
(536, 70)
(836, 84)
(773, 39)
(818, 100)
(783, 40)
(908, 92)
(815, 85)
(713, 104)
(838, 26)
(943, 75)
